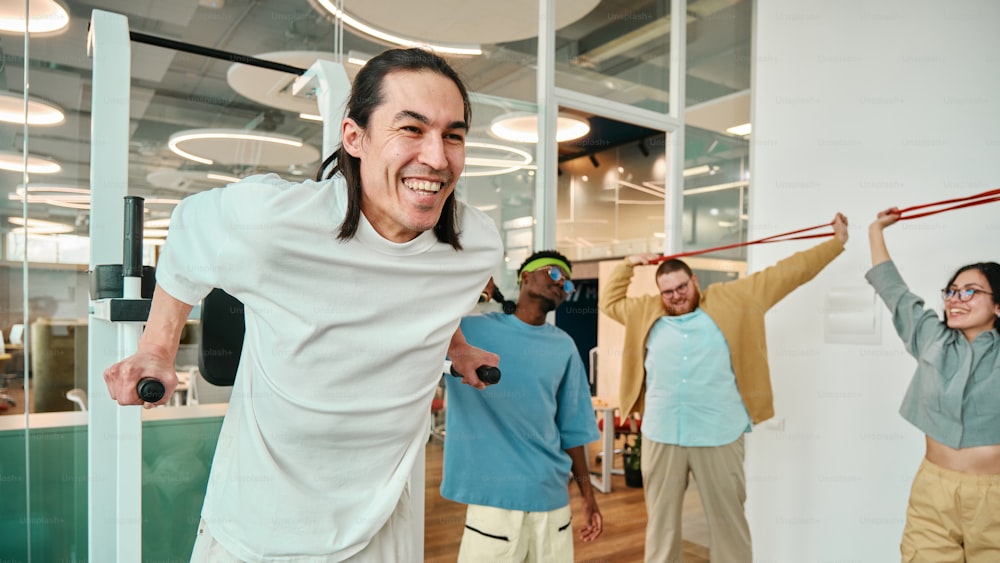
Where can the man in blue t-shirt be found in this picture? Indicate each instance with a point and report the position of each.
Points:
(510, 449)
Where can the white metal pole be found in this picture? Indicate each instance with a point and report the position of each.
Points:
(547, 151)
(673, 200)
(328, 82)
(114, 438)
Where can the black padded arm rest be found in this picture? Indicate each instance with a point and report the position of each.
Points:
(222, 330)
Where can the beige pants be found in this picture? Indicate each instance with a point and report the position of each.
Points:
(495, 535)
(392, 544)
(721, 486)
(952, 516)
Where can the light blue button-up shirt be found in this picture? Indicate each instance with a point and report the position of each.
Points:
(691, 394)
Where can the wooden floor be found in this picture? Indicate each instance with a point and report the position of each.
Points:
(623, 510)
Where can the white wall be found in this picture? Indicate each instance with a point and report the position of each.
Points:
(858, 106)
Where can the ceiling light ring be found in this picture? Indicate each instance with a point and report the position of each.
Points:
(41, 112)
(336, 13)
(48, 17)
(522, 127)
(495, 166)
(70, 197)
(254, 143)
(13, 161)
(40, 226)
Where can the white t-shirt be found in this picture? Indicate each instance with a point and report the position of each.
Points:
(343, 351)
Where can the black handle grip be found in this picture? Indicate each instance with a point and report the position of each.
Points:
(489, 375)
(132, 246)
(150, 390)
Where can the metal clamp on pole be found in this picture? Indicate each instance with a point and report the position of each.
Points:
(122, 294)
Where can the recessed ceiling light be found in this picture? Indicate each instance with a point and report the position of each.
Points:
(500, 164)
(39, 112)
(241, 146)
(470, 23)
(699, 170)
(40, 227)
(221, 177)
(14, 161)
(742, 130)
(46, 16)
(161, 201)
(372, 31)
(522, 127)
(188, 180)
(161, 223)
(72, 197)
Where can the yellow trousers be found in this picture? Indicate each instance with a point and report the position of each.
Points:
(952, 517)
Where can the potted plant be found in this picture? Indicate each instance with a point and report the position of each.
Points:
(632, 455)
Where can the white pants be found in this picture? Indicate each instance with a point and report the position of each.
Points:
(391, 544)
(494, 535)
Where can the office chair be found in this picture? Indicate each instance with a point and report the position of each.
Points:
(203, 392)
(78, 396)
(631, 426)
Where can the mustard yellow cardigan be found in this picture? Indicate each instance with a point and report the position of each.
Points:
(737, 307)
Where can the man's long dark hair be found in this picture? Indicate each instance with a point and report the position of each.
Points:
(367, 93)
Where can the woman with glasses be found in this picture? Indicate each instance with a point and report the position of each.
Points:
(954, 398)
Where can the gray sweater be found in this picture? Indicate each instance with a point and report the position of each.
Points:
(954, 396)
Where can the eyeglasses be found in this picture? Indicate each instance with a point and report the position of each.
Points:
(962, 294)
(679, 290)
(557, 275)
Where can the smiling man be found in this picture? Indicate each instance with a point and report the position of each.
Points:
(695, 365)
(353, 287)
(509, 450)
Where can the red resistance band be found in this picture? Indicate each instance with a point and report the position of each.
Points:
(951, 204)
(969, 201)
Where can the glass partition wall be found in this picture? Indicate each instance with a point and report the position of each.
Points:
(609, 198)
(611, 203)
(612, 199)
(43, 292)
